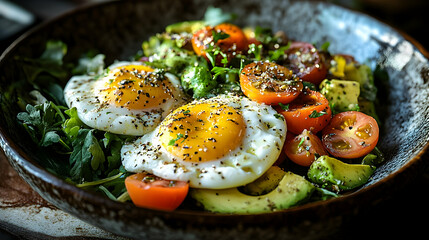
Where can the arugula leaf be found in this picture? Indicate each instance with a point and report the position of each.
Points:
(274, 55)
(224, 70)
(97, 153)
(43, 123)
(91, 65)
(198, 81)
(324, 47)
(47, 72)
(55, 51)
(256, 50)
(214, 16)
(50, 138)
(80, 159)
(219, 36)
(113, 143)
(72, 125)
(86, 156)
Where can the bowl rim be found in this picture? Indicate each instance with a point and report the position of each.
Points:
(15, 153)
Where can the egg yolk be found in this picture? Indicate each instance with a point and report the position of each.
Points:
(202, 132)
(135, 87)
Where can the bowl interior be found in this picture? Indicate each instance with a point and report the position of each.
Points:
(117, 30)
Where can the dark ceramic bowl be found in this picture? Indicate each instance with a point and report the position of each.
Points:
(117, 29)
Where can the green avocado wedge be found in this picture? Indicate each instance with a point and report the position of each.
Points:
(335, 175)
(186, 26)
(292, 190)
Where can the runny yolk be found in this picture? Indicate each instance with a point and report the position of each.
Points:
(135, 87)
(202, 132)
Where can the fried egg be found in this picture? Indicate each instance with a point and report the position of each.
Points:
(216, 143)
(129, 98)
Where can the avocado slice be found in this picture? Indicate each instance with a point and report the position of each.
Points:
(341, 94)
(186, 26)
(265, 183)
(292, 189)
(336, 175)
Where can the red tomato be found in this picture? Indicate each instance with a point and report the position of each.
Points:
(306, 62)
(350, 135)
(232, 42)
(269, 83)
(153, 192)
(304, 149)
(309, 111)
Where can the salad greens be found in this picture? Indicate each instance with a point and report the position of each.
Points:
(93, 156)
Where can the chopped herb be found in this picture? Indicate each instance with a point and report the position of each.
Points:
(276, 54)
(325, 46)
(256, 50)
(301, 142)
(173, 141)
(219, 36)
(316, 114)
(284, 106)
(278, 116)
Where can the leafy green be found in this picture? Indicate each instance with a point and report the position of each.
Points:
(324, 47)
(274, 55)
(92, 156)
(47, 72)
(198, 81)
(72, 125)
(90, 64)
(43, 123)
(113, 144)
(163, 52)
(375, 158)
(256, 50)
(81, 158)
(219, 36)
(214, 16)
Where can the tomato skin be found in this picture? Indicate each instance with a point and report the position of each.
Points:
(259, 82)
(157, 193)
(304, 152)
(350, 134)
(236, 43)
(306, 62)
(298, 114)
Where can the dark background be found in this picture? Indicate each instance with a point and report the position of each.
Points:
(405, 212)
(408, 16)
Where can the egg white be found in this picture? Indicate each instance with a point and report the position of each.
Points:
(81, 92)
(265, 133)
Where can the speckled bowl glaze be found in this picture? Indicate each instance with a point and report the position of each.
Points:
(118, 28)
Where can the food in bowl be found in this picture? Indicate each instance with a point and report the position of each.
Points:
(235, 120)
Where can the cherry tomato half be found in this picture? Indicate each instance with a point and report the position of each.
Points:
(231, 41)
(269, 83)
(150, 191)
(310, 110)
(350, 135)
(306, 62)
(304, 149)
